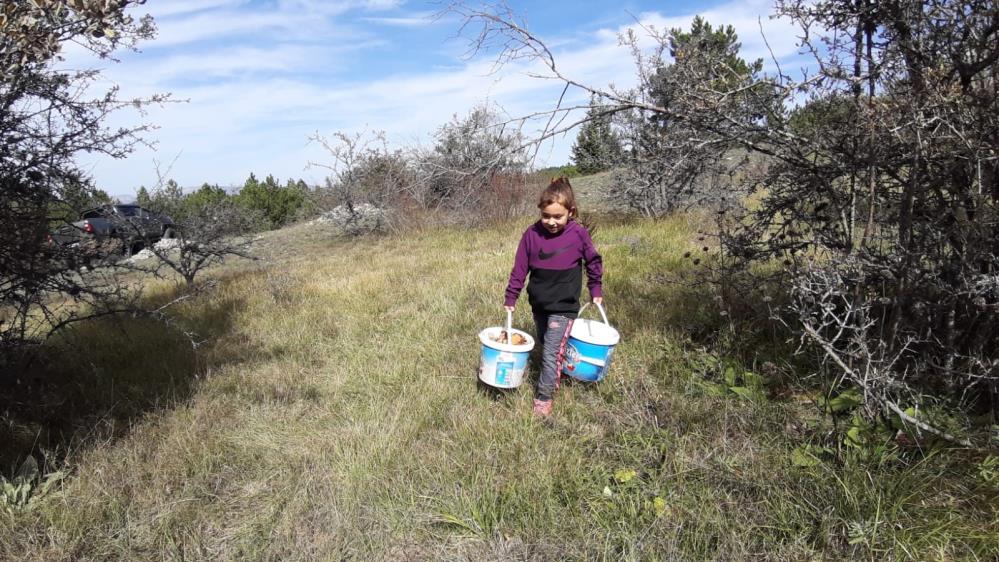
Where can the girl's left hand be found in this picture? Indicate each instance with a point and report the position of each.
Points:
(598, 300)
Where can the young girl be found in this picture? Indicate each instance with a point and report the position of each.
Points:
(551, 251)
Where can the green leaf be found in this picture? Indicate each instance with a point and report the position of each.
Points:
(803, 457)
(714, 389)
(456, 521)
(857, 532)
(988, 470)
(747, 393)
(21, 497)
(730, 377)
(752, 380)
(49, 481)
(854, 437)
(896, 421)
(847, 400)
(624, 476)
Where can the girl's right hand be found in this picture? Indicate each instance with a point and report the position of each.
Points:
(508, 308)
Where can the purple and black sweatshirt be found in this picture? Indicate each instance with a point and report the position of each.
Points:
(553, 261)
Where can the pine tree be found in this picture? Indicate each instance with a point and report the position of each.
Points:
(676, 155)
(168, 199)
(206, 197)
(597, 147)
(76, 197)
(142, 197)
(277, 204)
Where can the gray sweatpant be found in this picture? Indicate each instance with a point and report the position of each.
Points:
(553, 331)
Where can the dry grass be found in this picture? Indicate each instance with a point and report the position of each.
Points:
(335, 414)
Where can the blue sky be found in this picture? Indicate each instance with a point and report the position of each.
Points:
(261, 77)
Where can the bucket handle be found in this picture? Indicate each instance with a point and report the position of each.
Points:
(599, 307)
(509, 327)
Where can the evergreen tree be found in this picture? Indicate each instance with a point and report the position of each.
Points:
(77, 197)
(172, 192)
(277, 204)
(206, 197)
(142, 197)
(675, 155)
(597, 147)
(168, 200)
(80, 197)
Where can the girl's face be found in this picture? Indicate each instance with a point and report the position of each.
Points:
(554, 217)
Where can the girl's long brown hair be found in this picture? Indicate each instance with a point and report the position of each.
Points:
(559, 191)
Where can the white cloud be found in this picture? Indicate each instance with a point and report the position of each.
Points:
(173, 8)
(189, 22)
(228, 63)
(253, 107)
(381, 4)
(228, 24)
(419, 19)
(320, 5)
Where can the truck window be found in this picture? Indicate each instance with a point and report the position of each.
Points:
(128, 211)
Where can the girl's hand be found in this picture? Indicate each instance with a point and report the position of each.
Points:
(508, 308)
(598, 300)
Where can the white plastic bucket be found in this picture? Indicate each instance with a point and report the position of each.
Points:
(590, 347)
(502, 365)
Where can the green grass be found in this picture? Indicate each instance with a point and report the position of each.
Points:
(334, 414)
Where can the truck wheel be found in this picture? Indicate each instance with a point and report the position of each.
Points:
(169, 232)
(129, 248)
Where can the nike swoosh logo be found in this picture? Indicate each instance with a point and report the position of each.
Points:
(543, 255)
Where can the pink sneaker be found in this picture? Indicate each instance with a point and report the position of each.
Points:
(542, 408)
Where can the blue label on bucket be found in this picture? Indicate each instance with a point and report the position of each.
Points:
(502, 368)
(503, 373)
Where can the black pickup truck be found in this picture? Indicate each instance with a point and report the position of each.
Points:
(131, 225)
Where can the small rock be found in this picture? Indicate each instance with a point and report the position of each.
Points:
(145, 254)
(356, 220)
(167, 243)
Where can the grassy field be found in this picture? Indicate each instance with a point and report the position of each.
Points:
(333, 412)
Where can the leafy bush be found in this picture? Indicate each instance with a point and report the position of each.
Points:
(467, 155)
(548, 174)
(363, 171)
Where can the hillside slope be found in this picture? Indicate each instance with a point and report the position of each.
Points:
(335, 414)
